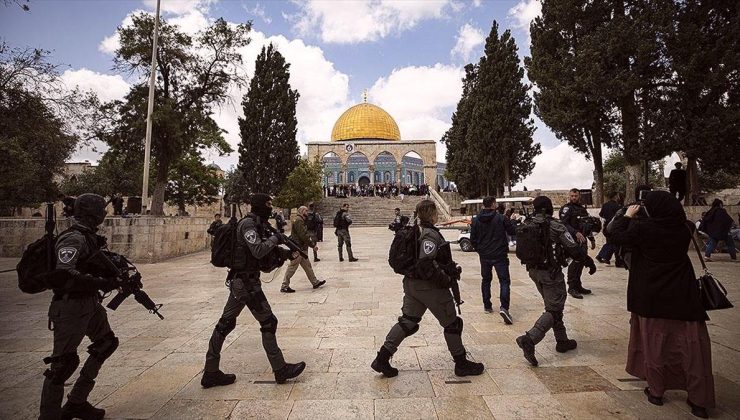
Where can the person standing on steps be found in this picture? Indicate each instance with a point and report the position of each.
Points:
(256, 250)
(429, 288)
(546, 273)
(569, 216)
(300, 235)
(488, 234)
(313, 220)
(342, 220)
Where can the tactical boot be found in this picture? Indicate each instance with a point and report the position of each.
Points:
(464, 367)
(527, 345)
(84, 411)
(382, 364)
(289, 371)
(582, 290)
(217, 378)
(575, 293)
(565, 345)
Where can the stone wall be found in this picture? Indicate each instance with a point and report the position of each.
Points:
(141, 239)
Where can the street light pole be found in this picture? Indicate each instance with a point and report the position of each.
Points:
(149, 112)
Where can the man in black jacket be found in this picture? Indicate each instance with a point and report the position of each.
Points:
(488, 235)
(608, 210)
(677, 182)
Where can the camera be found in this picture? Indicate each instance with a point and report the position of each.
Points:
(589, 225)
(642, 195)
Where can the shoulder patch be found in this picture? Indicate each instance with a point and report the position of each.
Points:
(67, 254)
(429, 246)
(250, 236)
(564, 209)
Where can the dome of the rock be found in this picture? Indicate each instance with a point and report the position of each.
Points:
(365, 122)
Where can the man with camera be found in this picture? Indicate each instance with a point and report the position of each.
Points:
(399, 221)
(256, 250)
(570, 215)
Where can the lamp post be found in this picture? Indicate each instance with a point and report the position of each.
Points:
(149, 112)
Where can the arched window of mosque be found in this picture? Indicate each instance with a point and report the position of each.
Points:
(376, 176)
(339, 178)
(387, 176)
(351, 177)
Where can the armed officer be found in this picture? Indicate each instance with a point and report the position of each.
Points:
(342, 220)
(76, 312)
(570, 215)
(429, 288)
(313, 220)
(548, 277)
(256, 250)
(399, 221)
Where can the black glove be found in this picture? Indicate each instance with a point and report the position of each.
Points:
(589, 262)
(286, 254)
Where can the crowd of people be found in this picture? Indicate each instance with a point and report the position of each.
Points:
(387, 190)
(669, 345)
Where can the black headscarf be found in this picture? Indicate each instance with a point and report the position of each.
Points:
(661, 205)
(259, 205)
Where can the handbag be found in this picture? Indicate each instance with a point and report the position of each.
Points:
(713, 294)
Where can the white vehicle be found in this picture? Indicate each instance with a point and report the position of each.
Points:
(520, 205)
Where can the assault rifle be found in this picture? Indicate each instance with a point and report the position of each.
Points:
(455, 287)
(118, 266)
(291, 244)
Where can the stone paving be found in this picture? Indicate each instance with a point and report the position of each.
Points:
(337, 329)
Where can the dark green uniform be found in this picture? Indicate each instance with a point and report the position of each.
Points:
(343, 221)
(429, 289)
(300, 235)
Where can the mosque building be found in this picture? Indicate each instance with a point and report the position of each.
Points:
(366, 148)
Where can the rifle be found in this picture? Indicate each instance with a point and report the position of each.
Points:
(50, 227)
(291, 244)
(125, 272)
(455, 287)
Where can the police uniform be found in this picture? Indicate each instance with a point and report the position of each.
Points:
(300, 235)
(312, 232)
(256, 250)
(569, 216)
(343, 236)
(429, 289)
(76, 312)
(550, 282)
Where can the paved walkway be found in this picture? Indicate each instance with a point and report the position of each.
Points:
(337, 329)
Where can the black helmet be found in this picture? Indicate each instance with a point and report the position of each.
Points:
(543, 204)
(259, 205)
(90, 208)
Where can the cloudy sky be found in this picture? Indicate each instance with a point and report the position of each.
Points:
(408, 54)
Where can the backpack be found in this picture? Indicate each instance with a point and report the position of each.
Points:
(532, 241)
(338, 220)
(311, 221)
(224, 244)
(404, 250)
(37, 260)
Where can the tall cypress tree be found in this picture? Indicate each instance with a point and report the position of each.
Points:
(500, 130)
(461, 165)
(268, 151)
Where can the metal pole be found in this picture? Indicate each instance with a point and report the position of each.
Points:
(149, 112)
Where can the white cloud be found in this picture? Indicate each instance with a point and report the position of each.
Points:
(421, 100)
(523, 13)
(259, 11)
(349, 22)
(107, 87)
(468, 39)
(559, 168)
(179, 7)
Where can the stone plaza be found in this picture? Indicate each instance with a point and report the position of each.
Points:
(337, 329)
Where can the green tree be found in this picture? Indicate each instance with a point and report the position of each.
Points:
(302, 186)
(562, 67)
(703, 102)
(192, 183)
(461, 166)
(615, 175)
(194, 74)
(35, 138)
(268, 150)
(500, 128)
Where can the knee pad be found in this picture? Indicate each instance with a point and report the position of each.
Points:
(103, 348)
(409, 324)
(557, 316)
(225, 326)
(62, 367)
(456, 328)
(269, 325)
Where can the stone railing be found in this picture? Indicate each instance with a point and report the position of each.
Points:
(446, 212)
(141, 239)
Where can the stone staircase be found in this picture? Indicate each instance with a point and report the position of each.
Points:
(367, 211)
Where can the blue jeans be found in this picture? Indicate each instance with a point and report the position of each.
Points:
(504, 280)
(712, 243)
(606, 252)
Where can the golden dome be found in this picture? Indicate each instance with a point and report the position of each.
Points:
(365, 121)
